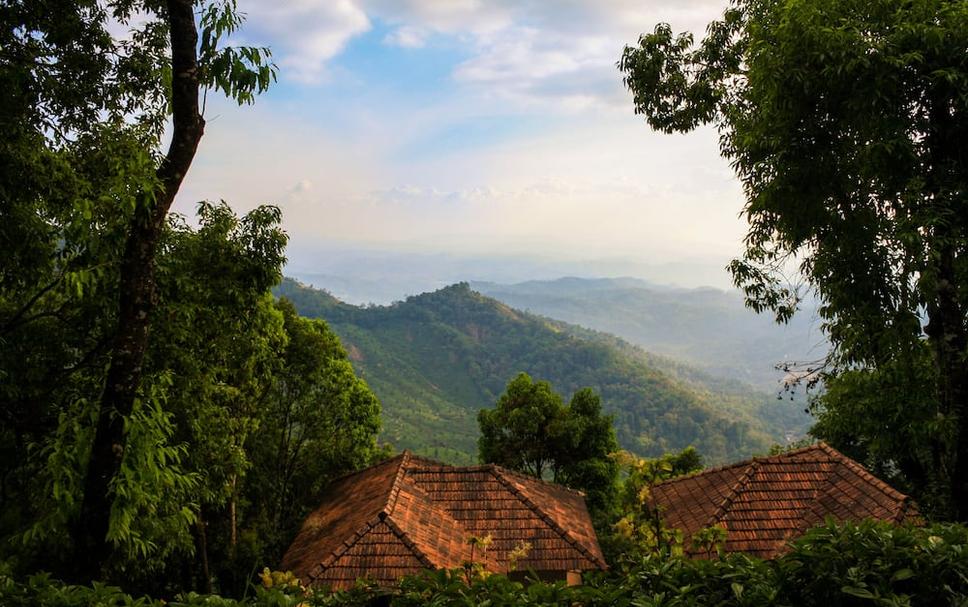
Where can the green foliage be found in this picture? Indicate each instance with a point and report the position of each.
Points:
(83, 118)
(191, 489)
(532, 431)
(218, 332)
(585, 440)
(853, 414)
(847, 122)
(216, 335)
(880, 563)
(832, 566)
(62, 227)
(154, 497)
(86, 183)
(636, 525)
(239, 72)
(317, 421)
(436, 359)
(248, 411)
(520, 432)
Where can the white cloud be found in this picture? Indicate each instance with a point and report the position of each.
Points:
(445, 16)
(532, 66)
(305, 34)
(553, 55)
(406, 37)
(529, 51)
(597, 183)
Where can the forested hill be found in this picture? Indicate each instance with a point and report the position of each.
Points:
(435, 359)
(706, 327)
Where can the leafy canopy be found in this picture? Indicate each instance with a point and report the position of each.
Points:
(160, 462)
(637, 527)
(847, 123)
(532, 431)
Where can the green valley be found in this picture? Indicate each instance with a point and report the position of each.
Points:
(435, 359)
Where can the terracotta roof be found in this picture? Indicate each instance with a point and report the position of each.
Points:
(409, 513)
(765, 502)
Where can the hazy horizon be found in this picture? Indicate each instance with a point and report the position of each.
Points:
(468, 129)
(375, 276)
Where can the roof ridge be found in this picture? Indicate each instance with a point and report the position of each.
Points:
(370, 467)
(864, 473)
(814, 501)
(407, 541)
(724, 467)
(437, 466)
(340, 550)
(423, 458)
(820, 445)
(395, 485)
(901, 501)
(733, 492)
(529, 478)
(547, 519)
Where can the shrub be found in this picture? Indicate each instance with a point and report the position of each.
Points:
(832, 566)
(879, 563)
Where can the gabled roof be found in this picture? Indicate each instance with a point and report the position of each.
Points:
(409, 513)
(763, 503)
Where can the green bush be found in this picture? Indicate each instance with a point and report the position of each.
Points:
(867, 564)
(878, 564)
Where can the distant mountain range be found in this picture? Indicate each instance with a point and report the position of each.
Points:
(436, 359)
(361, 276)
(705, 327)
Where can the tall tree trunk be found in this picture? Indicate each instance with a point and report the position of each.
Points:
(947, 327)
(947, 331)
(137, 294)
(233, 517)
(202, 535)
(960, 473)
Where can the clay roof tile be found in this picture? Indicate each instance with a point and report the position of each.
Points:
(765, 502)
(410, 513)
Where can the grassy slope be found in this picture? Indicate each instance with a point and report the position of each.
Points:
(437, 358)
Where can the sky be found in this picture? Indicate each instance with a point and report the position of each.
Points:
(470, 129)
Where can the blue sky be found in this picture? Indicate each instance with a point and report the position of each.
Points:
(468, 127)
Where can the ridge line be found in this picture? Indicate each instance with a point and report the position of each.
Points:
(571, 540)
(881, 486)
(395, 485)
(740, 483)
(826, 485)
(420, 463)
(407, 541)
(340, 550)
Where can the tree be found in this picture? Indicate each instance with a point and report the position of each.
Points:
(249, 410)
(584, 438)
(530, 430)
(219, 335)
(519, 432)
(217, 338)
(847, 123)
(194, 66)
(854, 415)
(74, 89)
(318, 420)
